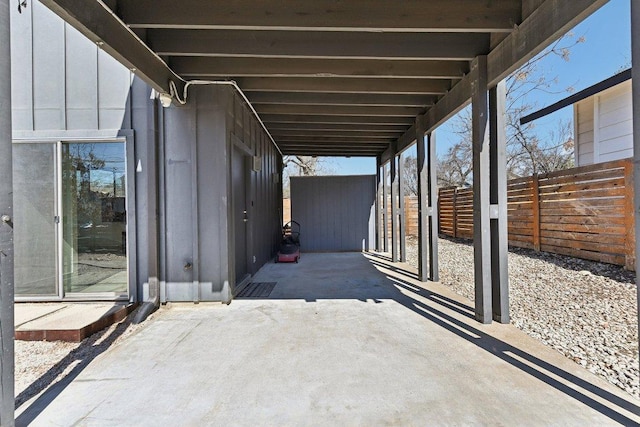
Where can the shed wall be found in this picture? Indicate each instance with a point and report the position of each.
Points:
(336, 213)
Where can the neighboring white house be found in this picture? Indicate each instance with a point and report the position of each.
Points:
(603, 120)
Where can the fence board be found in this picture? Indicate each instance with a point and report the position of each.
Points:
(586, 212)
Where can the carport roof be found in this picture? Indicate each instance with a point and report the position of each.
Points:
(329, 77)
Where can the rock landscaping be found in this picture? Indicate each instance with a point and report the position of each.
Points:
(585, 310)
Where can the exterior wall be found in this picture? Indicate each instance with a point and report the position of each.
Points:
(61, 80)
(64, 88)
(604, 126)
(336, 213)
(198, 255)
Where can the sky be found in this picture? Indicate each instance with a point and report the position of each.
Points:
(605, 51)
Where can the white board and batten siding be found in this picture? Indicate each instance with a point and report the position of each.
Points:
(604, 126)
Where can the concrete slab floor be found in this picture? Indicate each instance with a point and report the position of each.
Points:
(342, 340)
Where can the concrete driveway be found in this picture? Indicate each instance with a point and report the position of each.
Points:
(343, 339)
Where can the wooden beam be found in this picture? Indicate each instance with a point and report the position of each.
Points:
(333, 139)
(552, 19)
(498, 201)
(331, 127)
(316, 98)
(481, 214)
(437, 15)
(394, 206)
(314, 133)
(423, 202)
(290, 118)
(7, 348)
(188, 66)
(635, 94)
(338, 110)
(544, 25)
(318, 44)
(432, 203)
(97, 22)
(344, 85)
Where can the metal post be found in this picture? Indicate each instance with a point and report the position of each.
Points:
(6, 227)
(423, 203)
(498, 199)
(378, 207)
(481, 214)
(432, 182)
(635, 79)
(394, 207)
(385, 207)
(401, 212)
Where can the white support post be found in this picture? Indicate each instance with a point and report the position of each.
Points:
(6, 227)
(498, 196)
(481, 201)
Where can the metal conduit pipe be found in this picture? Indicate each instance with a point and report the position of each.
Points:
(183, 100)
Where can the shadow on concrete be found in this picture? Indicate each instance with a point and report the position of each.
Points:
(50, 385)
(393, 283)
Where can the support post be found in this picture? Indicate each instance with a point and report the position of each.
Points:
(394, 207)
(481, 205)
(378, 205)
(432, 182)
(635, 93)
(402, 217)
(423, 201)
(6, 227)
(385, 209)
(498, 199)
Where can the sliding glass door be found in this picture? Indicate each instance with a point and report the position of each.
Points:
(94, 228)
(71, 241)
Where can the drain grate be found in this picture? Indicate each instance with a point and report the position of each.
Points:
(257, 290)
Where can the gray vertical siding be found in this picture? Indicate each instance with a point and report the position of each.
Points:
(61, 80)
(336, 213)
(199, 225)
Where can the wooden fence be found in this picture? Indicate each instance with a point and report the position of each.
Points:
(585, 212)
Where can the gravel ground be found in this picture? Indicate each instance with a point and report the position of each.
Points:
(40, 364)
(585, 310)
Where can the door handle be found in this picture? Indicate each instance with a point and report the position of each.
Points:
(245, 219)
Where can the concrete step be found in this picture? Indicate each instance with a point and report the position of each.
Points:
(66, 321)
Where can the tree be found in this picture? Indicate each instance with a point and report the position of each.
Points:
(527, 152)
(302, 166)
(410, 175)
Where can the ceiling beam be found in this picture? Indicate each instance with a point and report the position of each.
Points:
(317, 44)
(332, 153)
(188, 66)
(311, 133)
(344, 85)
(339, 110)
(334, 15)
(290, 118)
(319, 98)
(98, 24)
(544, 25)
(333, 139)
(319, 127)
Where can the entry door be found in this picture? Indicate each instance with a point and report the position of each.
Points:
(239, 172)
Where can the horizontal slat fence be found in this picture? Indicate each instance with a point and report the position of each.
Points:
(585, 212)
